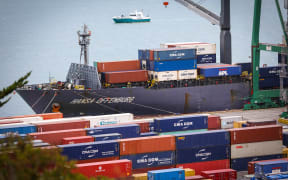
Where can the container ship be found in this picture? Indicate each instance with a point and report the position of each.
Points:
(176, 78)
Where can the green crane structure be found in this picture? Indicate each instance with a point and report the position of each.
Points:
(264, 98)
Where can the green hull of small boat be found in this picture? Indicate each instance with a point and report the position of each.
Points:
(130, 20)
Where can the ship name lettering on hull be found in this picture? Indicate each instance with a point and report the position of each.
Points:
(103, 100)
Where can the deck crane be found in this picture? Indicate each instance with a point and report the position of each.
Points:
(223, 21)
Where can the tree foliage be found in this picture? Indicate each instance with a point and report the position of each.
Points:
(17, 84)
(20, 160)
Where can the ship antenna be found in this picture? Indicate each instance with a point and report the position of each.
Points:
(84, 41)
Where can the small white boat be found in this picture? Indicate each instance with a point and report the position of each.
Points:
(136, 16)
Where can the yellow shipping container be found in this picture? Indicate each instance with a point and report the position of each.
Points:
(285, 152)
(189, 172)
(238, 124)
(141, 176)
(283, 121)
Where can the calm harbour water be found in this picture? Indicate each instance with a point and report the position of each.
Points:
(40, 36)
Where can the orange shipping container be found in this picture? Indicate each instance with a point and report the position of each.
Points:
(118, 66)
(45, 116)
(147, 144)
(55, 137)
(55, 126)
(126, 76)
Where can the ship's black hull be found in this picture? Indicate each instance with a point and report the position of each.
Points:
(139, 100)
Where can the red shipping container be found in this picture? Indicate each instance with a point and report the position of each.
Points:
(255, 134)
(221, 174)
(251, 164)
(261, 123)
(206, 165)
(112, 169)
(214, 122)
(97, 160)
(45, 116)
(118, 66)
(126, 76)
(78, 139)
(145, 170)
(197, 177)
(151, 54)
(147, 144)
(55, 137)
(55, 126)
(9, 121)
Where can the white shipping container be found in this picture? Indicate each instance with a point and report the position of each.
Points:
(165, 76)
(150, 74)
(187, 74)
(143, 65)
(263, 148)
(227, 122)
(202, 48)
(26, 119)
(102, 120)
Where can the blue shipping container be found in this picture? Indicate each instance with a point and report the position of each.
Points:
(264, 168)
(201, 154)
(93, 150)
(106, 137)
(174, 54)
(271, 82)
(202, 139)
(173, 65)
(245, 67)
(167, 174)
(270, 71)
(147, 160)
(280, 56)
(127, 131)
(232, 70)
(241, 164)
(206, 58)
(277, 176)
(285, 138)
(181, 123)
(148, 134)
(18, 128)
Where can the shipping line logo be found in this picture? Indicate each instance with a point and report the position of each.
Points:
(223, 72)
(90, 151)
(149, 161)
(203, 154)
(106, 100)
(184, 125)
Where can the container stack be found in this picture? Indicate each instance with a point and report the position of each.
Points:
(202, 151)
(218, 70)
(206, 52)
(255, 143)
(169, 64)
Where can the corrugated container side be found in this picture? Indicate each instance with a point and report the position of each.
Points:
(227, 122)
(197, 177)
(275, 167)
(256, 149)
(9, 121)
(251, 164)
(223, 174)
(202, 154)
(173, 54)
(55, 137)
(97, 160)
(202, 139)
(107, 137)
(222, 70)
(165, 76)
(147, 144)
(45, 116)
(145, 126)
(78, 139)
(145, 170)
(92, 150)
(126, 76)
(255, 134)
(102, 120)
(214, 122)
(111, 169)
(206, 58)
(127, 131)
(187, 74)
(181, 132)
(167, 174)
(173, 65)
(202, 48)
(54, 126)
(148, 134)
(24, 119)
(20, 128)
(261, 123)
(118, 66)
(153, 159)
(206, 165)
(180, 123)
